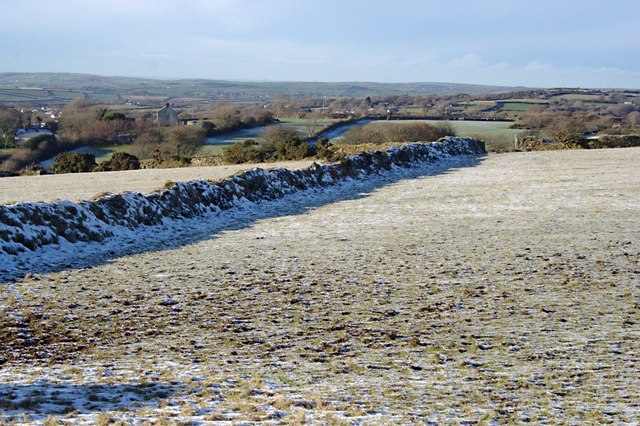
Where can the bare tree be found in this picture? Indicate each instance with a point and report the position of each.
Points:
(567, 131)
(225, 116)
(633, 118)
(312, 122)
(9, 121)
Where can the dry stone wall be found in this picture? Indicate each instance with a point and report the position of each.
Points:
(28, 226)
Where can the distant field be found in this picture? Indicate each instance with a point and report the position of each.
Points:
(63, 85)
(65, 94)
(479, 129)
(303, 126)
(578, 97)
(516, 106)
(484, 129)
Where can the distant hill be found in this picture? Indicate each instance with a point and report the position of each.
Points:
(63, 87)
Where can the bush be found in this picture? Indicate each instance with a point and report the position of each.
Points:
(113, 115)
(164, 160)
(148, 142)
(208, 128)
(283, 143)
(535, 143)
(74, 162)
(324, 151)
(242, 152)
(276, 143)
(379, 133)
(7, 141)
(119, 161)
(21, 158)
(33, 143)
(183, 141)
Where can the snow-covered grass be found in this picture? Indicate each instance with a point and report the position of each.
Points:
(89, 186)
(25, 227)
(501, 289)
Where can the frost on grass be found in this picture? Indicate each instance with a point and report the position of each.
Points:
(501, 293)
(26, 227)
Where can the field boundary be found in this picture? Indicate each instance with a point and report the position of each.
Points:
(29, 226)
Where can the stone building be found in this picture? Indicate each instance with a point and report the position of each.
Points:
(167, 116)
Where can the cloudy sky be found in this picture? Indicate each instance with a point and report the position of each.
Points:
(542, 43)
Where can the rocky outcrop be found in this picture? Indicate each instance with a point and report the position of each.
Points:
(28, 226)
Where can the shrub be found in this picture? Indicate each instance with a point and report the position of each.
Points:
(74, 162)
(283, 143)
(324, 151)
(7, 141)
(113, 115)
(208, 128)
(33, 143)
(120, 161)
(165, 160)
(148, 142)
(183, 141)
(242, 152)
(566, 131)
(24, 157)
(535, 143)
(379, 133)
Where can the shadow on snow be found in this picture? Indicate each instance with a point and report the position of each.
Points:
(200, 228)
(34, 401)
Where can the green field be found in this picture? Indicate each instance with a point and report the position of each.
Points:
(65, 94)
(497, 135)
(304, 126)
(485, 130)
(104, 153)
(516, 106)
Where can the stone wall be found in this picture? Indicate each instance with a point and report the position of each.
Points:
(28, 226)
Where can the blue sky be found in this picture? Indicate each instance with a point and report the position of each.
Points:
(538, 43)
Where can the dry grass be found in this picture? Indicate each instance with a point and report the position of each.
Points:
(87, 186)
(507, 292)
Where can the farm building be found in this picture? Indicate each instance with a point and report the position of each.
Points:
(23, 135)
(167, 116)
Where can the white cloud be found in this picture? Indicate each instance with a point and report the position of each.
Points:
(468, 60)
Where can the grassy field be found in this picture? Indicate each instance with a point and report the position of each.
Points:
(516, 106)
(483, 129)
(497, 291)
(302, 126)
(86, 186)
(104, 153)
(497, 134)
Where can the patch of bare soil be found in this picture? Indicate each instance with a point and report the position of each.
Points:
(505, 292)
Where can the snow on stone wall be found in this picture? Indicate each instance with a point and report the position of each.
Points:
(28, 226)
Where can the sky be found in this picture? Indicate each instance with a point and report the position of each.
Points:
(542, 43)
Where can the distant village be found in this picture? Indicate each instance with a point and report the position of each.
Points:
(44, 119)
